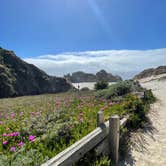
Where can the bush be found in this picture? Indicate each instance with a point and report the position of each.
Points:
(85, 89)
(149, 97)
(119, 89)
(101, 85)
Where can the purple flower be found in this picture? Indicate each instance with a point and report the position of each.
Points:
(5, 142)
(111, 104)
(20, 144)
(13, 134)
(31, 138)
(13, 148)
(12, 114)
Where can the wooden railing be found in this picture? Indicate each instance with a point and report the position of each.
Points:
(105, 138)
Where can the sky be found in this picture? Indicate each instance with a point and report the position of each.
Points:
(79, 28)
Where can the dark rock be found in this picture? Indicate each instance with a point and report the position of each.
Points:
(102, 75)
(20, 78)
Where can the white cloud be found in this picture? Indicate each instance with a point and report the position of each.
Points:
(126, 63)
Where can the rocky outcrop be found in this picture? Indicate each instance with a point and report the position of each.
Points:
(20, 78)
(151, 72)
(102, 75)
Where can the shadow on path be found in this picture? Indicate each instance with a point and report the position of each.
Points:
(138, 141)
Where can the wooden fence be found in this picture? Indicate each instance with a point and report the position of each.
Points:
(105, 138)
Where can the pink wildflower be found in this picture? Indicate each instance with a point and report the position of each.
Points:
(13, 134)
(111, 103)
(6, 116)
(20, 144)
(12, 114)
(5, 142)
(4, 134)
(31, 138)
(13, 148)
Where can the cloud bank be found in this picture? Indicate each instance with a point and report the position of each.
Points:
(125, 63)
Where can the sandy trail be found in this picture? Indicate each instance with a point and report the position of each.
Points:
(149, 148)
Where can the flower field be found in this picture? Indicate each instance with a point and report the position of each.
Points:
(35, 128)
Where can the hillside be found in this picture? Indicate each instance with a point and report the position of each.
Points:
(80, 76)
(20, 78)
(151, 72)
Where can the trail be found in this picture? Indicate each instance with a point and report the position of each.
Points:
(149, 147)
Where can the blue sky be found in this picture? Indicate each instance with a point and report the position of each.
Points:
(42, 27)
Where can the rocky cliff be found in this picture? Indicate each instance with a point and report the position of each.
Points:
(20, 78)
(87, 77)
(151, 72)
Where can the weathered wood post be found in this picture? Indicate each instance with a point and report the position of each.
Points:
(114, 127)
(100, 118)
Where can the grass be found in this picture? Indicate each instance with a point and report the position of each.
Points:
(56, 121)
(34, 129)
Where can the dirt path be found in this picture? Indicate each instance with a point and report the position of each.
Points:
(149, 148)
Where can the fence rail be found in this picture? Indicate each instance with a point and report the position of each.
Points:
(106, 135)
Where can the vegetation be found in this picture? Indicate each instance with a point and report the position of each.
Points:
(18, 78)
(100, 85)
(119, 89)
(36, 128)
(85, 89)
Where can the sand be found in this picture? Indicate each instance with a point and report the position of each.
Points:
(89, 85)
(149, 146)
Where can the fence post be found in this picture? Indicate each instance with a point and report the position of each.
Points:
(114, 127)
(100, 118)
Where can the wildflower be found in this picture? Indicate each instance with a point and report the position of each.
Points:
(6, 116)
(13, 134)
(12, 114)
(4, 142)
(20, 144)
(111, 103)
(4, 134)
(13, 148)
(31, 138)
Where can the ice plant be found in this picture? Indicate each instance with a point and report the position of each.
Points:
(4, 142)
(111, 103)
(31, 138)
(12, 114)
(4, 134)
(13, 134)
(20, 144)
(13, 148)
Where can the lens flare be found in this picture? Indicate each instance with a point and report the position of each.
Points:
(99, 15)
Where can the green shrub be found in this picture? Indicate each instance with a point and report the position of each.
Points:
(104, 161)
(101, 85)
(85, 89)
(119, 89)
(92, 159)
(149, 97)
